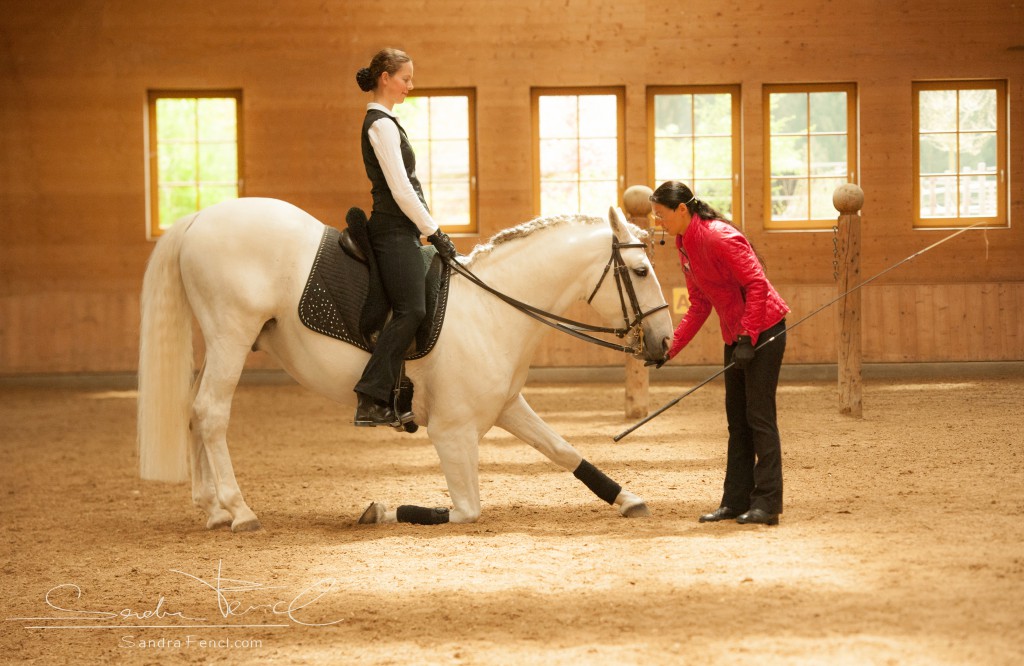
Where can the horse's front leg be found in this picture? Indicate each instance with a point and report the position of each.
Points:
(458, 449)
(519, 419)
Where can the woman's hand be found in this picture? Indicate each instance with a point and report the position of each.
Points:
(445, 246)
(743, 354)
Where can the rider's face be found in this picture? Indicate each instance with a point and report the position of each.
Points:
(394, 88)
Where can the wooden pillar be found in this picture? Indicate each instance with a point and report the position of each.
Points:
(638, 207)
(848, 200)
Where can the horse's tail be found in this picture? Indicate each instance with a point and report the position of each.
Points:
(165, 362)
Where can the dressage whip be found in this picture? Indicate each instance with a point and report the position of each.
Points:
(677, 400)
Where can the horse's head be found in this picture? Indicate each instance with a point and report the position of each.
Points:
(629, 293)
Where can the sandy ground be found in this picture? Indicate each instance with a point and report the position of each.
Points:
(901, 541)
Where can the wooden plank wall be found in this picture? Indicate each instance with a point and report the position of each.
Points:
(74, 76)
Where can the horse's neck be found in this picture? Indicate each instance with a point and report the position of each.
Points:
(551, 269)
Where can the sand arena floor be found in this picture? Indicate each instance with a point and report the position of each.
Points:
(901, 541)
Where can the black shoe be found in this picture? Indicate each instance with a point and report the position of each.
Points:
(721, 513)
(758, 517)
(371, 412)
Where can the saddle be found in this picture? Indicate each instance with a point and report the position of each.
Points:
(344, 298)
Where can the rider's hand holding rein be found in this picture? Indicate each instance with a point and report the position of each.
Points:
(445, 246)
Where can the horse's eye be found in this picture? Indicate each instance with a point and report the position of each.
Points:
(641, 271)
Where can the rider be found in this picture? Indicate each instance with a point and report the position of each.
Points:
(398, 219)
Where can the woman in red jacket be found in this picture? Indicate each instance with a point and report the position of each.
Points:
(723, 271)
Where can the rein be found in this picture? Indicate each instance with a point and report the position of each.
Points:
(580, 329)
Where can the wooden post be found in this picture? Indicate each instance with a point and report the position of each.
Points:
(638, 207)
(848, 200)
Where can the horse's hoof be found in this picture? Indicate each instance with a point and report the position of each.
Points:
(250, 525)
(218, 519)
(373, 514)
(639, 510)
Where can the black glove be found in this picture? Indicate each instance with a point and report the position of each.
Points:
(445, 246)
(743, 354)
(657, 364)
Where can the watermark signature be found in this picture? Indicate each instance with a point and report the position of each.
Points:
(228, 603)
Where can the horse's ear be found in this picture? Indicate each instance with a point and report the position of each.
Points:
(617, 220)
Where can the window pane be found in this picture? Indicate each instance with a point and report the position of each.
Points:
(449, 203)
(788, 113)
(449, 117)
(828, 112)
(596, 197)
(558, 197)
(672, 115)
(211, 194)
(217, 119)
(424, 163)
(449, 160)
(713, 157)
(789, 156)
(828, 155)
(789, 199)
(218, 161)
(938, 196)
(414, 117)
(822, 190)
(978, 153)
(713, 114)
(673, 159)
(559, 158)
(176, 119)
(177, 162)
(557, 116)
(977, 110)
(938, 153)
(598, 116)
(937, 110)
(717, 194)
(978, 196)
(176, 202)
(598, 158)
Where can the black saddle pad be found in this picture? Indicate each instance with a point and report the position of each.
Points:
(333, 300)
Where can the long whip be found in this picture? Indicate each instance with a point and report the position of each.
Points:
(677, 400)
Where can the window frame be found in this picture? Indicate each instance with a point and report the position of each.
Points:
(852, 149)
(737, 136)
(470, 93)
(1001, 218)
(153, 230)
(579, 91)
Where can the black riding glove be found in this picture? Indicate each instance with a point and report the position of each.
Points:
(445, 246)
(743, 354)
(657, 364)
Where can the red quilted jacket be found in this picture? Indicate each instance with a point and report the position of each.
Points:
(723, 272)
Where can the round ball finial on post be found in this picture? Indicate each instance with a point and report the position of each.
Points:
(637, 201)
(848, 199)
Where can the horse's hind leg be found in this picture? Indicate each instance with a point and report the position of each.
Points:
(204, 490)
(519, 419)
(211, 411)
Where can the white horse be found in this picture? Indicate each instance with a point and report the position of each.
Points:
(240, 267)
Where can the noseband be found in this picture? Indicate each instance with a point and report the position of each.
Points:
(624, 285)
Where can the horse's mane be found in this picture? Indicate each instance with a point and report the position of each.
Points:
(526, 229)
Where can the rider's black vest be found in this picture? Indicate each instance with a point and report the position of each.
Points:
(383, 199)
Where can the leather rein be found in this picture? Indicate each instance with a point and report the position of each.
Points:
(579, 329)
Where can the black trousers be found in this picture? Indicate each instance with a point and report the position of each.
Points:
(753, 473)
(396, 246)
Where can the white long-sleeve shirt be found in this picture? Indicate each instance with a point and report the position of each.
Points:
(386, 142)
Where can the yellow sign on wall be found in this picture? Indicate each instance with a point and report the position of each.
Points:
(680, 300)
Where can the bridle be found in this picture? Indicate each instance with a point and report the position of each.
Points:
(624, 285)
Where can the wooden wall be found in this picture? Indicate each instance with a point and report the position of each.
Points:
(74, 76)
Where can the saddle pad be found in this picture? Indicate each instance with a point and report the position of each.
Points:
(335, 293)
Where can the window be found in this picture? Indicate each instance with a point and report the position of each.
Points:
(810, 150)
(195, 152)
(441, 125)
(695, 138)
(960, 153)
(579, 152)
